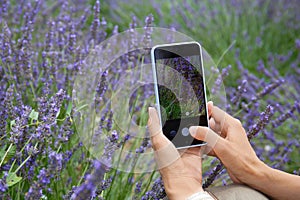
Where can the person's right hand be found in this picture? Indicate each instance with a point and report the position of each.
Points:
(227, 140)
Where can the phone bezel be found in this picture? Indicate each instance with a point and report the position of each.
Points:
(153, 59)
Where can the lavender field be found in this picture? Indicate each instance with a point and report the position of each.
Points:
(44, 45)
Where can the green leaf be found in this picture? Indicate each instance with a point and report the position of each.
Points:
(57, 114)
(12, 179)
(2, 153)
(69, 108)
(8, 155)
(11, 153)
(81, 107)
(12, 123)
(34, 115)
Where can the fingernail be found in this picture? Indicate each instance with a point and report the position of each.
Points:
(193, 130)
(150, 110)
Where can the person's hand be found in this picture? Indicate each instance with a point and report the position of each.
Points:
(227, 140)
(181, 173)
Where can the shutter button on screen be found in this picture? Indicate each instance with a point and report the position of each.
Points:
(185, 131)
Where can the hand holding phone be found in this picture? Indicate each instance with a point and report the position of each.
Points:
(179, 85)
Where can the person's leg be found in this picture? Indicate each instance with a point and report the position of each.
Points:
(236, 192)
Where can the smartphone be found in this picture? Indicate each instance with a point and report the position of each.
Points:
(179, 85)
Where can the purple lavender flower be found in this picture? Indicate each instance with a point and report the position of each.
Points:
(219, 80)
(88, 188)
(297, 42)
(148, 31)
(96, 21)
(157, 191)
(268, 89)
(282, 118)
(3, 185)
(240, 90)
(213, 175)
(36, 189)
(264, 119)
(138, 186)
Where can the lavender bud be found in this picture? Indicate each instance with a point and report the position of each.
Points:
(263, 121)
(297, 43)
(282, 118)
(3, 184)
(88, 188)
(240, 90)
(96, 21)
(268, 89)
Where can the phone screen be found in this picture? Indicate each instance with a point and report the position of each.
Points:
(181, 91)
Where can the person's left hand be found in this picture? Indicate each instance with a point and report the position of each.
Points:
(180, 171)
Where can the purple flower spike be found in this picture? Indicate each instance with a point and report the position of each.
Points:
(263, 121)
(88, 188)
(297, 42)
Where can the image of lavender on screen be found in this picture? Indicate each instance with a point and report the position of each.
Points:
(186, 97)
(44, 46)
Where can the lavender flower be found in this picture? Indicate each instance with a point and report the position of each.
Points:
(264, 119)
(148, 30)
(96, 21)
(157, 191)
(240, 90)
(88, 189)
(268, 89)
(3, 185)
(138, 186)
(219, 80)
(213, 175)
(297, 42)
(282, 118)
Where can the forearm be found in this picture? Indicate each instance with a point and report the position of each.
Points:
(275, 183)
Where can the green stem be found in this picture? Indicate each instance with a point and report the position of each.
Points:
(149, 183)
(59, 148)
(225, 52)
(86, 168)
(36, 123)
(12, 165)
(32, 88)
(22, 164)
(2, 137)
(5, 154)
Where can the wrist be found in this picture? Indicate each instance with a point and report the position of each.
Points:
(259, 176)
(181, 188)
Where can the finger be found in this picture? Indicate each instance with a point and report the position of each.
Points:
(158, 139)
(214, 126)
(214, 141)
(221, 118)
(210, 106)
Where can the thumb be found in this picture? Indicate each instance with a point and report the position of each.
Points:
(206, 134)
(165, 152)
(158, 139)
(153, 122)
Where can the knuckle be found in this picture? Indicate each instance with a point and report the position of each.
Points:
(237, 123)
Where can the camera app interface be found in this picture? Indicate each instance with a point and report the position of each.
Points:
(181, 96)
